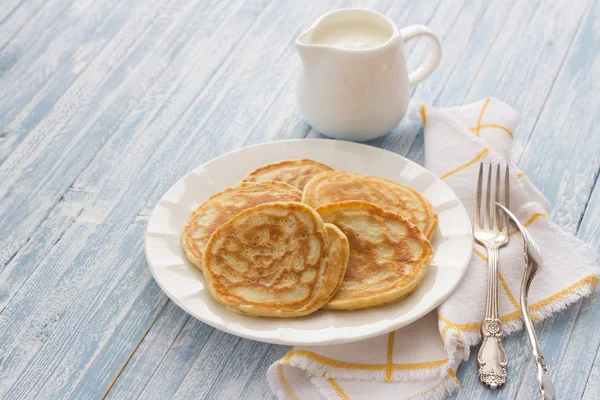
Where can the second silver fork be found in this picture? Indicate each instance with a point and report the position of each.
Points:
(492, 234)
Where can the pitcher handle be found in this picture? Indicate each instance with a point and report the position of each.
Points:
(433, 60)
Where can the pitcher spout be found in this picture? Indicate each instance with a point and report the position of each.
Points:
(305, 39)
(309, 51)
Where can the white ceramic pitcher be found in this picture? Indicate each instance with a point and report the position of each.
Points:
(358, 90)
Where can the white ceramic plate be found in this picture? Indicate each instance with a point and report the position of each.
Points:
(184, 284)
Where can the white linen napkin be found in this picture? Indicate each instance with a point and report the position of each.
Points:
(419, 361)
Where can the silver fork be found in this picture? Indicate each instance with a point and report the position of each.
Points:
(493, 234)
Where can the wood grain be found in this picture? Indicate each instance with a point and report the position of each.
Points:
(105, 104)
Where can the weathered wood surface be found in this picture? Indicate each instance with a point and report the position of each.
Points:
(105, 104)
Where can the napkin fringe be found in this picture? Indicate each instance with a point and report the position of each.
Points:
(575, 294)
(454, 338)
(273, 381)
(444, 388)
(462, 340)
(457, 344)
(325, 388)
(555, 303)
(441, 390)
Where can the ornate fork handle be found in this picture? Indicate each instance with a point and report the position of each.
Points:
(491, 357)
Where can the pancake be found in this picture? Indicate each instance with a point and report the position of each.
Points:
(222, 206)
(336, 186)
(389, 256)
(294, 172)
(275, 260)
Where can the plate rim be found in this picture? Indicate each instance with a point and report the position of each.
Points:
(328, 340)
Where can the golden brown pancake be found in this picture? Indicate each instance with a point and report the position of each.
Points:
(275, 260)
(294, 172)
(336, 186)
(389, 256)
(220, 207)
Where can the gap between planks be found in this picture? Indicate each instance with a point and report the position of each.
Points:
(120, 370)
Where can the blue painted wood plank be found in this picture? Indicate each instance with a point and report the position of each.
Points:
(14, 21)
(593, 381)
(106, 231)
(47, 54)
(148, 117)
(19, 269)
(219, 121)
(8, 8)
(579, 369)
(78, 326)
(247, 356)
(456, 36)
(490, 25)
(84, 62)
(12, 215)
(101, 375)
(82, 238)
(34, 101)
(440, 17)
(104, 228)
(193, 343)
(44, 15)
(532, 70)
(52, 165)
(257, 386)
(21, 335)
(503, 54)
(206, 368)
(176, 357)
(580, 349)
(568, 126)
(32, 150)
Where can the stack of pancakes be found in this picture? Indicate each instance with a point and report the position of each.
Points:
(296, 236)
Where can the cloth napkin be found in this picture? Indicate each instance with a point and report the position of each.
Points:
(419, 361)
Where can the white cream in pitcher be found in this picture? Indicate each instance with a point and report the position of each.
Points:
(354, 83)
(352, 35)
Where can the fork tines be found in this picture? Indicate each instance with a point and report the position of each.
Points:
(497, 223)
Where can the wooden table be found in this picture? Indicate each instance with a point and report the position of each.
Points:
(104, 104)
